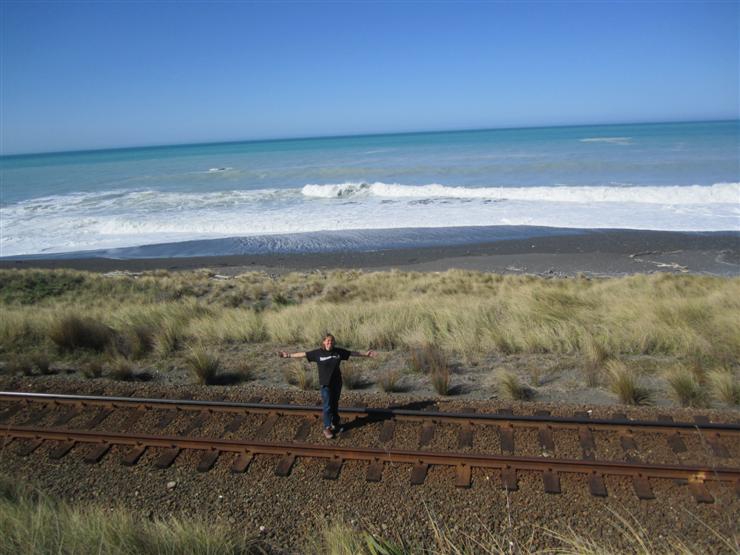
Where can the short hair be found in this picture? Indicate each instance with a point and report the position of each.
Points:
(327, 335)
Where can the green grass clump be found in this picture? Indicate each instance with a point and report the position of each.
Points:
(725, 386)
(686, 389)
(625, 384)
(511, 387)
(340, 538)
(32, 523)
(204, 365)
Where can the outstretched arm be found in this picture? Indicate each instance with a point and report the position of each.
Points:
(283, 354)
(371, 354)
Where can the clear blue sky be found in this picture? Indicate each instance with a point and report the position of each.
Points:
(79, 75)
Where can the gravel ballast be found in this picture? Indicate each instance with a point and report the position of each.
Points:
(282, 510)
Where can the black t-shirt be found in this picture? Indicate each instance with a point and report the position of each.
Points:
(328, 362)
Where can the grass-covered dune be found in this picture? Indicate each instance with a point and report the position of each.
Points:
(690, 319)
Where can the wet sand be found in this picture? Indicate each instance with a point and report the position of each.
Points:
(594, 252)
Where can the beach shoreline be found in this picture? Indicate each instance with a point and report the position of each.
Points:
(593, 252)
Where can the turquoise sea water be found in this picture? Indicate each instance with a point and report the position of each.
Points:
(673, 176)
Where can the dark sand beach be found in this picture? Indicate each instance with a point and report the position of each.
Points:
(594, 252)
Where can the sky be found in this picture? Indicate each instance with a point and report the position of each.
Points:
(88, 75)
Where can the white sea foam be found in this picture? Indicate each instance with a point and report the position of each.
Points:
(84, 221)
(719, 193)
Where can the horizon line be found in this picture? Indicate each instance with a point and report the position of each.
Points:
(351, 136)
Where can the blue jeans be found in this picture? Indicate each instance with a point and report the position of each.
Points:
(330, 397)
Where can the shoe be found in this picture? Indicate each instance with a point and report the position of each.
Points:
(328, 434)
(337, 429)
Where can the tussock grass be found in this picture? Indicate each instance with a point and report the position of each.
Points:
(440, 378)
(624, 534)
(725, 386)
(33, 523)
(427, 358)
(625, 384)
(686, 389)
(595, 355)
(122, 370)
(203, 364)
(91, 369)
(352, 376)
(390, 381)
(340, 538)
(72, 332)
(461, 313)
(511, 387)
(296, 373)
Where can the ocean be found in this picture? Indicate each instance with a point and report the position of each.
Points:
(370, 192)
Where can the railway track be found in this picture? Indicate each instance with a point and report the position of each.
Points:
(22, 412)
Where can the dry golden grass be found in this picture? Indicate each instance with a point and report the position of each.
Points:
(352, 375)
(390, 381)
(440, 378)
(462, 314)
(725, 386)
(298, 374)
(686, 389)
(625, 384)
(204, 365)
(511, 387)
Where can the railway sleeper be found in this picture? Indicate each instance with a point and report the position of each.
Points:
(132, 456)
(544, 434)
(285, 465)
(167, 457)
(419, 473)
(427, 432)
(675, 442)
(375, 471)
(96, 453)
(61, 449)
(242, 461)
(207, 460)
(332, 468)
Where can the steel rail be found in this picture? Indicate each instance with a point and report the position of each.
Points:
(565, 422)
(500, 462)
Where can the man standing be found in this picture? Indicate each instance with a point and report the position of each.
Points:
(328, 358)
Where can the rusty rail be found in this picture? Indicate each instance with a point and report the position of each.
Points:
(508, 466)
(562, 422)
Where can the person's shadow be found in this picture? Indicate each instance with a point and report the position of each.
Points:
(379, 415)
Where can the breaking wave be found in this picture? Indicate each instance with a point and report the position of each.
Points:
(719, 193)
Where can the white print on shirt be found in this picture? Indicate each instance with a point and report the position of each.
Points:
(322, 359)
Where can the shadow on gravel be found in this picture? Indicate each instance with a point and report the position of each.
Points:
(227, 378)
(459, 389)
(380, 416)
